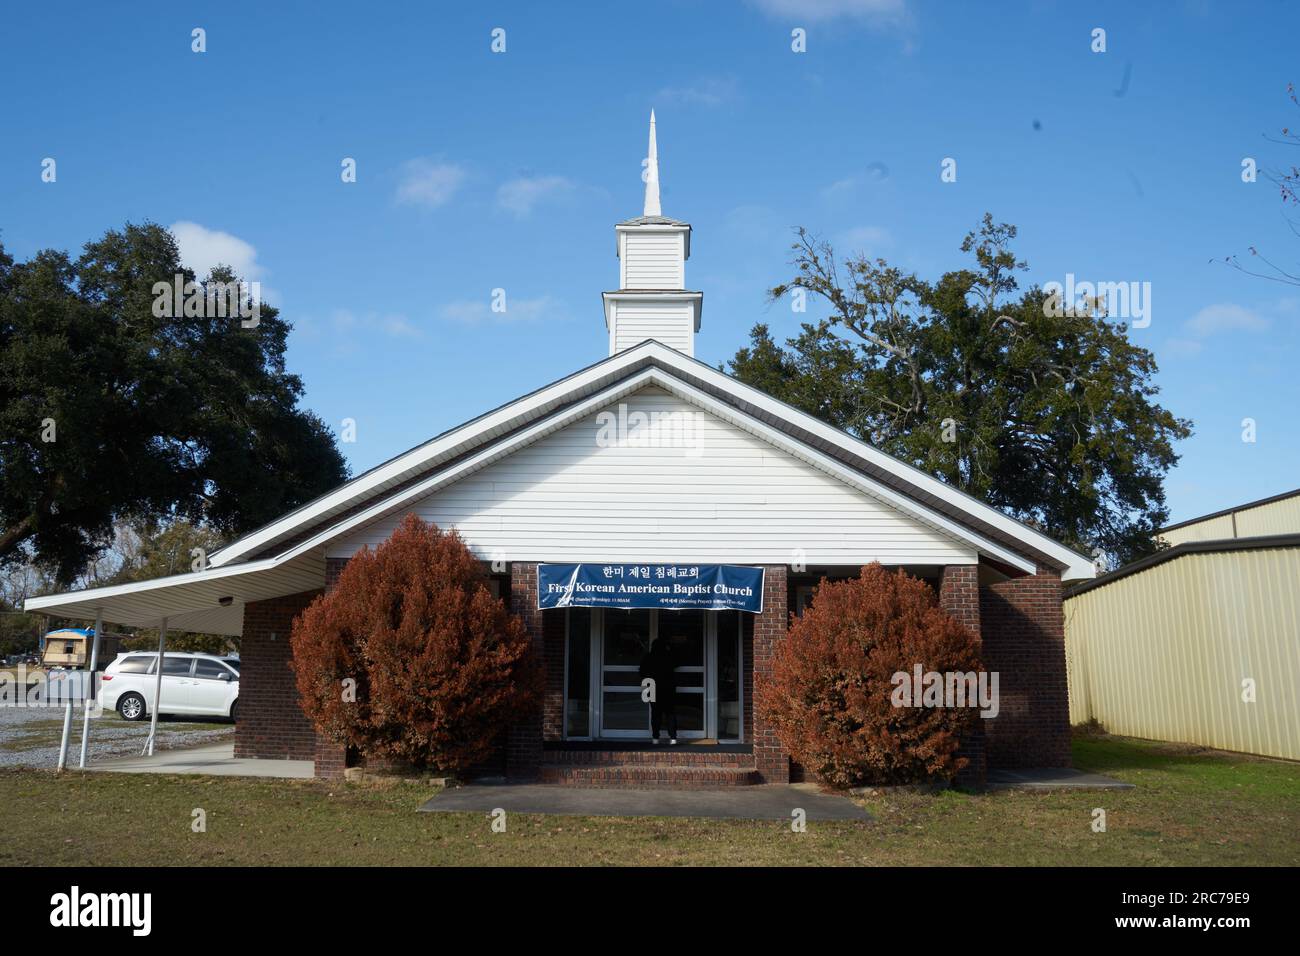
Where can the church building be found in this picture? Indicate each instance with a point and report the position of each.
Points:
(645, 497)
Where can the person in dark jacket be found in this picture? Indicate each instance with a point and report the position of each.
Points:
(659, 666)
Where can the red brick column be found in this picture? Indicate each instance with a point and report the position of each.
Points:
(959, 595)
(524, 740)
(770, 759)
(270, 723)
(553, 638)
(333, 568)
(330, 757)
(1024, 640)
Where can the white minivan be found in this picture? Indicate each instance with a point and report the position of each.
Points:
(196, 684)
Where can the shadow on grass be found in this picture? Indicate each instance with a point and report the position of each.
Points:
(1186, 765)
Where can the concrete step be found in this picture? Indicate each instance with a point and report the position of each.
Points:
(643, 776)
(664, 756)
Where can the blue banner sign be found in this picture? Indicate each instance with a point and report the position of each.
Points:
(673, 587)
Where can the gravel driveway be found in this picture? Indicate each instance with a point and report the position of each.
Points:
(29, 736)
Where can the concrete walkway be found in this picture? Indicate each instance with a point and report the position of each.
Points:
(1053, 778)
(764, 802)
(214, 759)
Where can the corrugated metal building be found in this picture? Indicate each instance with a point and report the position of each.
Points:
(1279, 514)
(1199, 643)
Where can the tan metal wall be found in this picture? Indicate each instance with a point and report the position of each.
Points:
(1279, 517)
(1209, 529)
(1276, 517)
(1162, 653)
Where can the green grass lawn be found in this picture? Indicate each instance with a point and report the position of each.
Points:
(1192, 807)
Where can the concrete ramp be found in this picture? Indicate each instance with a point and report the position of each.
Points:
(217, 760)
(760, 802)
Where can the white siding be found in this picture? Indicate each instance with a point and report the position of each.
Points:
(654, 260)
(672, 323)
(711, 492)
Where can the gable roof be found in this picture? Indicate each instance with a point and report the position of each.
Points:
(286, 556)
(493, 435)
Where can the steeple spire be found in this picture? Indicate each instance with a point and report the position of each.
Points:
(652, 174)
(652, 301)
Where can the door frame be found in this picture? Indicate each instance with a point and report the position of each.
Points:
(642, 733)
(596, 684)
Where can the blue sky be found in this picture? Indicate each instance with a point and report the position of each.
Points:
(478, 171)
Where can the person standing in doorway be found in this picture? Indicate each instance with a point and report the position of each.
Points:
(659, 666)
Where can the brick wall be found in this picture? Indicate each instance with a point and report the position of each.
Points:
(271, 724)
(747, 673)
(333, 568)
(524, 739)
(771, 761)
(331, 757)
(553, 638)
(1024, 641)
(959, 595)
(1019, 621)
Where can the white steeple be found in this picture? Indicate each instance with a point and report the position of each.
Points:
(652, 174)
(652, 301)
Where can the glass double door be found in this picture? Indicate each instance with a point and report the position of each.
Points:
(626, 640)
(706, 651)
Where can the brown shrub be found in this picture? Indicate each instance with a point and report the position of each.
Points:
(829, 694)
(441, 666)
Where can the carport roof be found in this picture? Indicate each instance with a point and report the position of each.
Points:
(190, 602)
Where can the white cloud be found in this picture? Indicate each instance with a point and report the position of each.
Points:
(429, 183)
(202, 248)
(521, 194)
(879, 11)
(840, 188)
(1185, 347)
(1224, 317)
(708, 91)
(473, 311)
(393, 324)
(1212, 320)
(867, 240)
